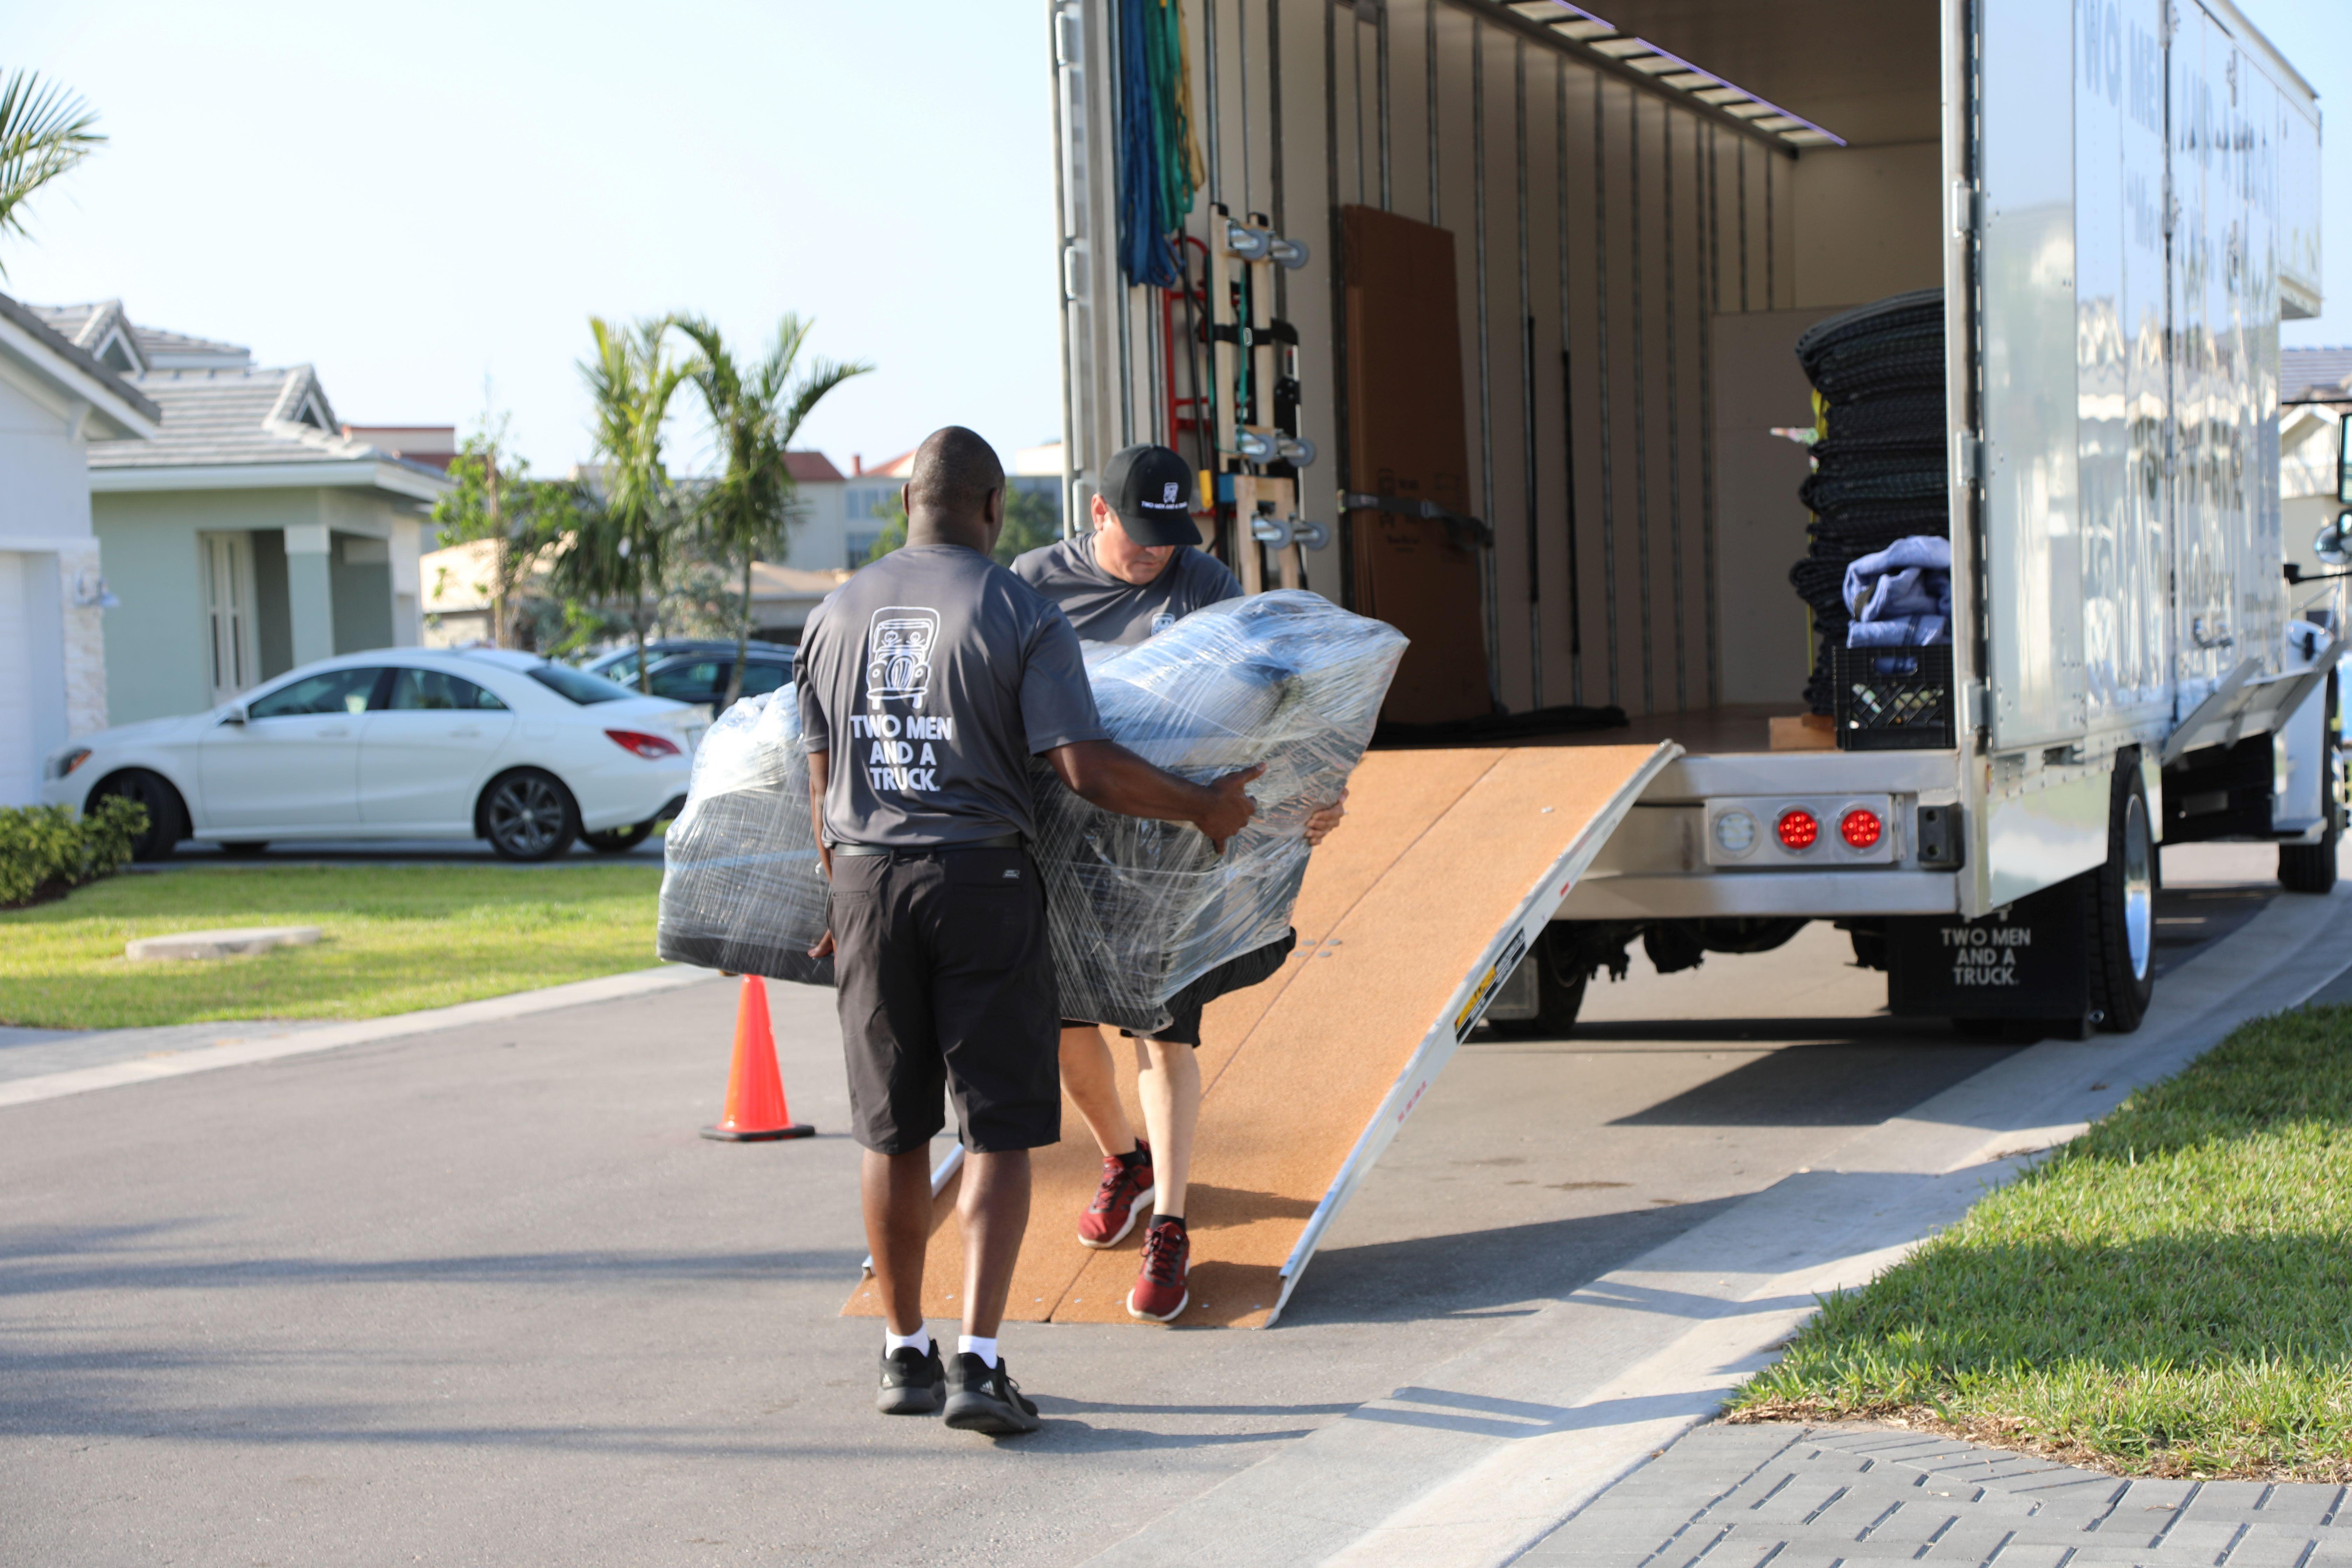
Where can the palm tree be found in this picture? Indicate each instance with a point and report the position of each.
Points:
(620, 548)
(44, 131)
(748, 510)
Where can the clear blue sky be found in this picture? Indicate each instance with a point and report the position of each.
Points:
(424, 199)
(419, 197)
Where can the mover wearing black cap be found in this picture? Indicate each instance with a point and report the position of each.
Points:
(926, 684)
(1139, 571)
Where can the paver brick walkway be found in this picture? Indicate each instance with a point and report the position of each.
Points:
(1858, 1493)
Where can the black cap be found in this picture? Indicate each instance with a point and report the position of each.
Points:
(1151, 490)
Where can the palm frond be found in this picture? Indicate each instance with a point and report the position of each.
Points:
(44, 131)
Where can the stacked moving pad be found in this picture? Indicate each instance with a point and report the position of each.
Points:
(1138, 910)
(1881, 470)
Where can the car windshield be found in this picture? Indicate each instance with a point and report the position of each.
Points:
(578, 685)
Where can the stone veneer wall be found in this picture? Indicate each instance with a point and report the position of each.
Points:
(85, 640)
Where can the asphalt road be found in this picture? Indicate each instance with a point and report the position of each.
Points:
(484, 1297)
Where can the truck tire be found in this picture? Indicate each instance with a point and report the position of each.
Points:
(1561, 980)
(2123, 907)
(2311, 867)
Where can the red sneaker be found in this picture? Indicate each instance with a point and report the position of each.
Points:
(1126, 1192)
(1160, 1293)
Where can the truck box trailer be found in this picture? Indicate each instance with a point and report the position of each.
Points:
(1482, 318)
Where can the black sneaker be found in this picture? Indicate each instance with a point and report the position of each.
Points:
(913, 1382)
(983, 1398)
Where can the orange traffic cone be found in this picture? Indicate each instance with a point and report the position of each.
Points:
(755, 1111)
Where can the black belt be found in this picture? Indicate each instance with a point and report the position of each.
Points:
(916, 851)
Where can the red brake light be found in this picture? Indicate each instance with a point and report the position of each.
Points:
(644, 745)
(1860, 828)
(1798, 829)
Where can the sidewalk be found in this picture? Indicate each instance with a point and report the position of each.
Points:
(1806, 1497)
(1498, 1453)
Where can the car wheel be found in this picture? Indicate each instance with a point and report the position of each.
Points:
(528, 814)
(618, 840)
(167, 814)
(245, 848)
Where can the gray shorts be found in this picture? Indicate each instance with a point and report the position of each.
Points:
(947, 990)
(1184, 1008)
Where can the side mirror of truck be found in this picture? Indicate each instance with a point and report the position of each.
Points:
(2333, 544)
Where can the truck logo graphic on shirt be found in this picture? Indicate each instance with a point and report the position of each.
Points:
(898, 644)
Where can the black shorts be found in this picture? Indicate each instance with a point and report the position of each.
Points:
(946, 988)
(1184, 1027)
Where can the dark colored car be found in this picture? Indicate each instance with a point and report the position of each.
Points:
(694, 669)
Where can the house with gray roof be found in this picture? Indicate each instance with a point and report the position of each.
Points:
(59, 403)
(251, 534)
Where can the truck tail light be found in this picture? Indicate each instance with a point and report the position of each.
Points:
(1798, 829)
(1860, 828)
(644, 745)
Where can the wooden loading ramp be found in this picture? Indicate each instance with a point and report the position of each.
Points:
(1448, 865)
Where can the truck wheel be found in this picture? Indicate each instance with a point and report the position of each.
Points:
(2311, 867)
(2123, 908)
(1560, 979)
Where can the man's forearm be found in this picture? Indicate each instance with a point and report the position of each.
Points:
(1109, 776)
(820, 768)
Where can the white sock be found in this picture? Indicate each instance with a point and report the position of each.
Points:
(972, 1344)
(919, 1342)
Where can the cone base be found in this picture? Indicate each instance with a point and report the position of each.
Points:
(759, 1134)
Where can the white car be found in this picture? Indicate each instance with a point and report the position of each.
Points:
(401, 743)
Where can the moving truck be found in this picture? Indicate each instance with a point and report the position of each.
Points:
(1482, 320)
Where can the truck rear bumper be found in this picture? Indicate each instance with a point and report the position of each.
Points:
(1820, 895)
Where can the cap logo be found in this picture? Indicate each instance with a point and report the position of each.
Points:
(1169, 496)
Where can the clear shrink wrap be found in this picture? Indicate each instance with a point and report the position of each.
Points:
(742, 889)
(1138, 910)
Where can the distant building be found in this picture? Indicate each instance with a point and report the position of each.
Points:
(251, 534)
(433, 444)
(58, 403)
(1037, 471)
(870, 495)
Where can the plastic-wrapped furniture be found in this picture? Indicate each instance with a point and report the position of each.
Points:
(1137, 909)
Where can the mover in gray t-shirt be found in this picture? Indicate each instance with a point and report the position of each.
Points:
(1153, 588)
(933, 676)
(926, 683)
(1136, 574)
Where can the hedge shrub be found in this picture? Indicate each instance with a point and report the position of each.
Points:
(46, 849)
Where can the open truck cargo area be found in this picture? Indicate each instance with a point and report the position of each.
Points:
(1483, 318)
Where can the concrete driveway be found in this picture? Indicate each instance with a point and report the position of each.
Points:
(484, 1296)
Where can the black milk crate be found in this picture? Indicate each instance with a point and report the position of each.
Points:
(1893, 699)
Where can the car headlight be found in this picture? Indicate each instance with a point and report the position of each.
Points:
(66, 761)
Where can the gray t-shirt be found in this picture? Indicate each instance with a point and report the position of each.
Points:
(1105, 609)
(932, 676)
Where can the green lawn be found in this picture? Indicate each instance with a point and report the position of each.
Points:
(2170, 1294)
(396, 938)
